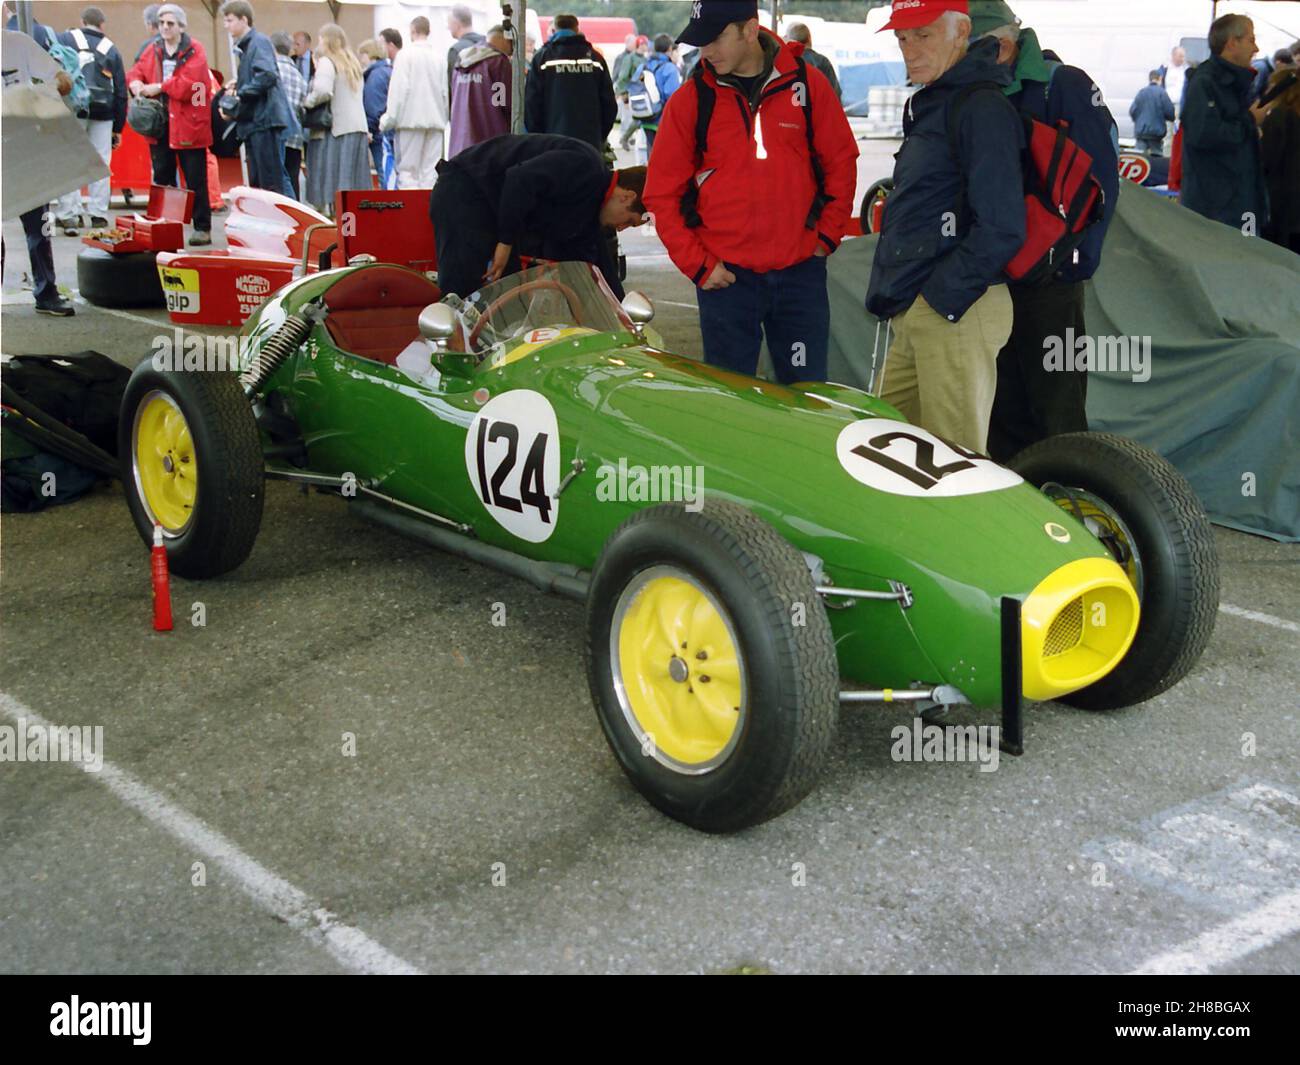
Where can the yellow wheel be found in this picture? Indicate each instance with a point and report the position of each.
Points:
(191, 461)
(678, 671)
(1145, 514)
(712, 664)
(163, 462)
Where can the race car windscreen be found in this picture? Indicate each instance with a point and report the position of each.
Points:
(554, 295)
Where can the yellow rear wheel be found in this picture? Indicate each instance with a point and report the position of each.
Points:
(164, 463)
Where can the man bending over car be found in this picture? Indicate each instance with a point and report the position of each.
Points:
(535, 194)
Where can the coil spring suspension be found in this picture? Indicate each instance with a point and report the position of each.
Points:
(279, 346)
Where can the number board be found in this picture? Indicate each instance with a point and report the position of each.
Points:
(907, 460)
(512, 456)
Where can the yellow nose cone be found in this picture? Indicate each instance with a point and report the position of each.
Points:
(1075, 627)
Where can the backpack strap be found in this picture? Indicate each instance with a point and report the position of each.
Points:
(705, 99)
(79, 38)
(820, 199)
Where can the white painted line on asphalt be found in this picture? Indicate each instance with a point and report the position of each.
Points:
(1229, 942)
(155, 322)
(677, 303)
(349, 946)
(1236, 851)
(1255, 615)
(646, 257)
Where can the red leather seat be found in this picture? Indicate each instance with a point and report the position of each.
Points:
(374, 312)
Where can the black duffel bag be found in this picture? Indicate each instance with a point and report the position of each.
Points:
(148, 117)
(320, 117)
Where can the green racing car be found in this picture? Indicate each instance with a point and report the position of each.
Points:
(751, 555)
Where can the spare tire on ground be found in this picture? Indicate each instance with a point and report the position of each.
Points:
(129, 279)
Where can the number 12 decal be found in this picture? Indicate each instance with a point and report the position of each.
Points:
(907, 460)
(512, 456)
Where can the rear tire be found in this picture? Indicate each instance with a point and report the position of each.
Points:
(126, 280)
(739, 601)
(1175, 564)
(192, 461)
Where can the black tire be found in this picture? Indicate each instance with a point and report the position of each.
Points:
(126, 280)
(226, 451)
(1174, 545)
(883, 186)
(791, 675)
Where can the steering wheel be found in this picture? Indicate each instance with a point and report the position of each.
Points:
(564, 290)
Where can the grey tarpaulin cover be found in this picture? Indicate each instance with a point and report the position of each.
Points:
(1223, 314)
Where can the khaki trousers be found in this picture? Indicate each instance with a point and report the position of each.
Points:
(943, 375)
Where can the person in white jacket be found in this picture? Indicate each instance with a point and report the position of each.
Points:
(417, 108)
(345, 161)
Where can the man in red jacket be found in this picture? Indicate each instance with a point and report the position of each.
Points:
(175, 67)
(751, 186)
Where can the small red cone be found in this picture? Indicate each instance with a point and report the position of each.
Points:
(162, 591)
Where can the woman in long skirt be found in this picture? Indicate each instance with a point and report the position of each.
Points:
(344, 156)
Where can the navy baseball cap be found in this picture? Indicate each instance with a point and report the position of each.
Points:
(710, 17)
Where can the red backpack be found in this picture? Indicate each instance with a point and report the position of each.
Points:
(1062, 197)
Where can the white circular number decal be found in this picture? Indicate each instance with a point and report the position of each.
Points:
(906, 460)
(512, 454)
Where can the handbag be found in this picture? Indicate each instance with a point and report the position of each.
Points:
(148, 117)
(319, 117)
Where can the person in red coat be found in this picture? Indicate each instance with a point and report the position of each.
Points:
(752, 219)
(176, 66)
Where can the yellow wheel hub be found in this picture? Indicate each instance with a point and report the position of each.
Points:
(1101, 521)
(679, 674)
(165, 465)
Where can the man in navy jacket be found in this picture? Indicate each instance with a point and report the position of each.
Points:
(1034, 402)
(263, 115)
(937, 271)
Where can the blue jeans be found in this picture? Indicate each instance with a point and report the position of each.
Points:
(789, 305)
(264, 153)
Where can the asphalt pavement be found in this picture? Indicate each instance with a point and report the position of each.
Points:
(348, 767)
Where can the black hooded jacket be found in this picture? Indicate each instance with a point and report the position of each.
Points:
(569, 91)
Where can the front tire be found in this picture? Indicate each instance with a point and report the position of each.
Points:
(1146, 513)
(712, 664)
(192, 462)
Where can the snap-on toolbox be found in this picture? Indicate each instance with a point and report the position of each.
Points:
(160, 228)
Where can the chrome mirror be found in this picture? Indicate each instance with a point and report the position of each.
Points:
(637, 306)
(438, 323)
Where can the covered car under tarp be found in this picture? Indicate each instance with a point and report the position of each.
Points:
(1222, 311)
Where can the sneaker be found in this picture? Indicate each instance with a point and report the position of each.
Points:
(70, 225)
(201, 236)
(58, 308)
(98, 221)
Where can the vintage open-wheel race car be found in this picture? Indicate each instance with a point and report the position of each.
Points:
(751, 555)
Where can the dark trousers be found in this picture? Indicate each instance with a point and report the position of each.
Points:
(1032, 402)
(1151, 145)
(649, 139)
(464, 232)
(41, 253)
(377, 156)
(264, 153)
(790, 306)
(293, 168)
(194, 165)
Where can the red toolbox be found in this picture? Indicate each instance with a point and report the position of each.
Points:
(160, 228)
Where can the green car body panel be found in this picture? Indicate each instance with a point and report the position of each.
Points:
(771, 448)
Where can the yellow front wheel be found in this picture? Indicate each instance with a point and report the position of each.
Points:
(719, 707)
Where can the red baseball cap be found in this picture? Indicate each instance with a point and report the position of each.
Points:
(911, 14)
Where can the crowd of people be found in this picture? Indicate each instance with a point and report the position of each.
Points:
(1236, 124)
(752, 127)
(313, 115)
